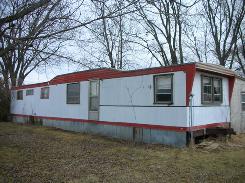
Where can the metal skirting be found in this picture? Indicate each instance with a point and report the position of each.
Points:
(172, 138)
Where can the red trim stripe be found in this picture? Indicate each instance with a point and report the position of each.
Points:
(126, 124)
(231, 86)
(190, 75)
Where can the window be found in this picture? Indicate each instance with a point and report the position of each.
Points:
(211, 90)
(13, 95)
(243, 101)
(73, 93)
(29, 92)
(44, 93)
(207, 89)
(163, 89)
(217, 84)
(94, 96)
(20, 95)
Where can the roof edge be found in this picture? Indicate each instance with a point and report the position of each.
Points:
(215, 68)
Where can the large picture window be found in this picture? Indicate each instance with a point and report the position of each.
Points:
(20, 95)
(163, 89)
(73, 93)
(44, 93)
(211, 90)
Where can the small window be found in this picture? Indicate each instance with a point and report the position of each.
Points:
(73, 93)
(20, 95)
(211, 90)
(44, 93)
(163, 91)
(243, 101)
(29, 92)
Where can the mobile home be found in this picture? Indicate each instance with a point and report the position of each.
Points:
(154, 105)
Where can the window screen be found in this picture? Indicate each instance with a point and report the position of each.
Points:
(211, 90)
(73, 93)
(44, 93)
(163, 89)
(29, 92)
(20, 95)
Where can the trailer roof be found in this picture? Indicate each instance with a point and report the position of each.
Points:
(109, 73)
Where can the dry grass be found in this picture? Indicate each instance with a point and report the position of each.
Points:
(40, 154)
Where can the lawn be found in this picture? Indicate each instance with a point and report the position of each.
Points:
(41, 154)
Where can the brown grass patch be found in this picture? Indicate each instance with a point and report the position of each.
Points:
(41, 154)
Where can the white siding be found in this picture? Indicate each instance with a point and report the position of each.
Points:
(139, 90)
(131, 99)
(169, 116)
(55, 106)
(208, 115)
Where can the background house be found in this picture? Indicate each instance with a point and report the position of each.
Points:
(238, 106)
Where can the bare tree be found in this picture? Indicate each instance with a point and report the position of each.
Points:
(224, 18)
(239, 53)
(7, 21)
(108, 44)
(197, 42)
(25, 55)
(163, 22)
(110, 33)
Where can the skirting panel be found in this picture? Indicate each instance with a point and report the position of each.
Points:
(153, 136)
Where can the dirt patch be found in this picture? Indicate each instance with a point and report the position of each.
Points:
(41, 154)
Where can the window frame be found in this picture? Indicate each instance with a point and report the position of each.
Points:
(31, 93)
(67, 93)
(154, 89)
(41, 96)
(242, 93)
(17, 95)
(212, 102)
